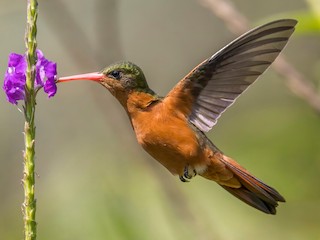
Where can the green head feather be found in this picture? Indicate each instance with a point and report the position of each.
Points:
(129, 74)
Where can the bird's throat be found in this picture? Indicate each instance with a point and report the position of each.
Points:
(140, 101)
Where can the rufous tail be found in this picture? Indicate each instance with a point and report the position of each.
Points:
(251, 190)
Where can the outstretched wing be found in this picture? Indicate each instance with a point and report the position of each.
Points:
(209, 89)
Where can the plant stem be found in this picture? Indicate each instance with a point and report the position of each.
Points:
(29, 204)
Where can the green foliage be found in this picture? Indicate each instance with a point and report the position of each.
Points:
(309, 22)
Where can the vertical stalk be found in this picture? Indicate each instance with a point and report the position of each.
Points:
(29, 204)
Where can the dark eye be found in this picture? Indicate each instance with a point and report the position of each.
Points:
(115, 74)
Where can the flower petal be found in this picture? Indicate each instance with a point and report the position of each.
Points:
(50, 87)
(15, 79)
(46, 74)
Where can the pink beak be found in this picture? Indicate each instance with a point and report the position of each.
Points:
(95, 76)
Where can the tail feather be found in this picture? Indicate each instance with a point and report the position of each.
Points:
(252, 191)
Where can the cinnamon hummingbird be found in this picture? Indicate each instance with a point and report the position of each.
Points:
(172, 128)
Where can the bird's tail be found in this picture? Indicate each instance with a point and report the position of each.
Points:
(252, 190)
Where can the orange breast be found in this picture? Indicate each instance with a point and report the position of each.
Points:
(167, 137)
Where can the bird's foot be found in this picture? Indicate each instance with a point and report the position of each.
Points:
(188, 173)
(182, 179)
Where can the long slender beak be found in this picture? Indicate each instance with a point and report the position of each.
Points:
(95, 76)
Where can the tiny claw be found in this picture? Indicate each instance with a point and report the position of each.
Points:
(182, 179)
(186, 172)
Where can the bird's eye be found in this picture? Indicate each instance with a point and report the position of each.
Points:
(115, 74)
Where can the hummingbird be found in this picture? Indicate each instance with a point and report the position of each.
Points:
(172, 128)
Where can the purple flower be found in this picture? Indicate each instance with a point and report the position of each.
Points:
(15, 77)
(46, 74)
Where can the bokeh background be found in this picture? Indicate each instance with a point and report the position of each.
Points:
(95, 182)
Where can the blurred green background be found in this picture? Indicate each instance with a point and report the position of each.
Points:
(95, 182)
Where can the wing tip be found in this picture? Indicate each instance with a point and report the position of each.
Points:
(289, 22)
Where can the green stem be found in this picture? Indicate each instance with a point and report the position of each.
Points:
(29, 204)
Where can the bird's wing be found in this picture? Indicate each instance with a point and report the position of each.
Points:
(210, 88)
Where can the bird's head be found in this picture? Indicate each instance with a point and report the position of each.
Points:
(121, 79)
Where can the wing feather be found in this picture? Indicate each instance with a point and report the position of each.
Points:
(216, 83)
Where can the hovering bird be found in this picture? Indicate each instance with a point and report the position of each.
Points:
(172, 128)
